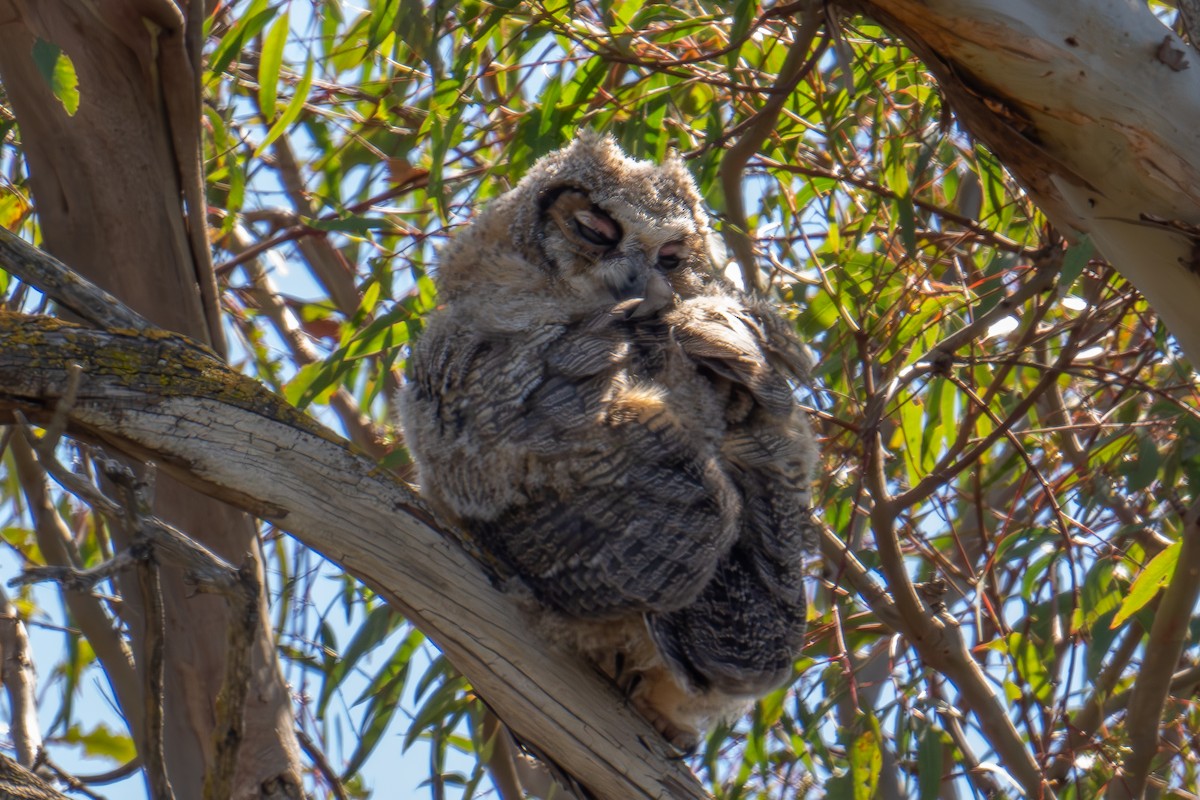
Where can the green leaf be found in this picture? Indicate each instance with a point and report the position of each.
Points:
(866, 759)
(384, 693)
(102, 742)
(292, 112)
(1100, 592)
(58, 71)
(929, 763)
(353, 224)
(1142, 469)
(1032, 661)
(1074, 260)
(269, 63)
(313, 383)
(1153, 577)
(254, 19)
(379, 625)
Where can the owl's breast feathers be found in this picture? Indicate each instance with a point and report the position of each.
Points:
(602, 458)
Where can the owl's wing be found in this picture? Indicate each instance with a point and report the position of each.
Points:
(743, 632)
(553, 456)
(745, 343)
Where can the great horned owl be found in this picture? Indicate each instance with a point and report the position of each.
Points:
(615, 422)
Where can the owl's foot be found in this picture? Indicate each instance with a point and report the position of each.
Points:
(669, 707)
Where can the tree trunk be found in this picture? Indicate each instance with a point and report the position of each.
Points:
(119, 195)
(1094, 106)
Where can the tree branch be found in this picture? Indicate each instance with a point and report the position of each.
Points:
(733, 164)
(20, 683)
(56, 280)
(1060, 96)
(1167, 637)
(58, 548)
(162, 398)
(932, 631)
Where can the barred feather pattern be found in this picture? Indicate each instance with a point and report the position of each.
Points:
(629, 445)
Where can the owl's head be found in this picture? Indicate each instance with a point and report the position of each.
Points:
(594, 227)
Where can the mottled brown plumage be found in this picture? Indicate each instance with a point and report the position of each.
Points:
(617, 424)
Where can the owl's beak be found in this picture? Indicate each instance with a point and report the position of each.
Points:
(658, 295)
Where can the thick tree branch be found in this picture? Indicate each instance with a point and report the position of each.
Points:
(160, 397)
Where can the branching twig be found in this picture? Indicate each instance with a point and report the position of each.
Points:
(733, 163)
(935, 633)
(1095, 709)
(1046, 268)
(54, 540)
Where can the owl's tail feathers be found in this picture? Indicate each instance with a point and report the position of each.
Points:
(739, 637)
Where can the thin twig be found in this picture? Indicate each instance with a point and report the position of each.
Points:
(1046, 268)
(1094, 710)
(322, 764)
(74, 782)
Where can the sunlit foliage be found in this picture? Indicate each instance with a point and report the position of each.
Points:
(1010, 437)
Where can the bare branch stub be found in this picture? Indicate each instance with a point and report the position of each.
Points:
(67, 288)
(20, 683)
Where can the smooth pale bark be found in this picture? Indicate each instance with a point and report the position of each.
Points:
(160, 398)
(1088, 104)
(114, 186)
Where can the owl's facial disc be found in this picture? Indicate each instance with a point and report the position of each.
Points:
(604, 262)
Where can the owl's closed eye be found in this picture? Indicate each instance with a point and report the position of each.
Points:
(615, 422)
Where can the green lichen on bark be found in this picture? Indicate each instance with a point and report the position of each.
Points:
(35, 352)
